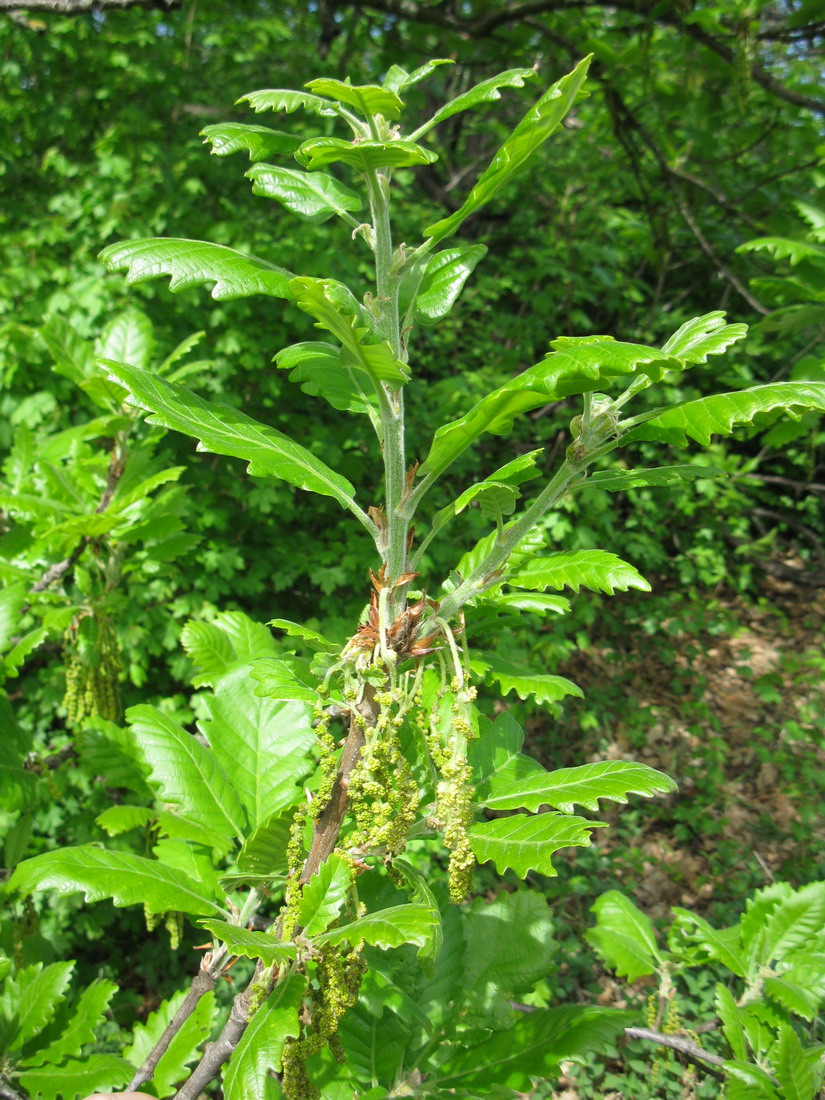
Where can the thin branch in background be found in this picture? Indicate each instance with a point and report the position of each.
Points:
(79, 7)
(695, 1054)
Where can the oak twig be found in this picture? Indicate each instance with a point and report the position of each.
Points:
(686, 1047)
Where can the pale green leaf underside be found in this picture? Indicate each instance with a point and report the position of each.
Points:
(546, 687)
(543, 118)
(320, 370)
(703, 336)
(197, 263)
(597, 570)
(335, 309)
(720, 414)
(526, 842)
(285, 101)
(615, 481)
(624, 936)
(412, 923)
(125, 878)
(226, 431)
(573, 368)
(251, 945)
(276, 679)
(258, 141)
(539, 603)
(584, 786)
(485, 92)
(313, 196)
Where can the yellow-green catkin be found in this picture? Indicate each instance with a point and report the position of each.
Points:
(455, 791)
(92, 675)
(338, 974)
(383, 792)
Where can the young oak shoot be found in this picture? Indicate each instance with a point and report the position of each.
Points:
(389, 722)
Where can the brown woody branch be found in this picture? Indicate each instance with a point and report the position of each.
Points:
(686, 1047)
(78, 7)
(326, 830)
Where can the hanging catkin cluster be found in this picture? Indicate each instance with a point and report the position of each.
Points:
(383, 792)
(455, 791)
(92, 674)
(338, 974)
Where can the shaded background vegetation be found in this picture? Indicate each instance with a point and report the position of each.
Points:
(703, 131)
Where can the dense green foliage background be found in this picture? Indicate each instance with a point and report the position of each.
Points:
(703, 131)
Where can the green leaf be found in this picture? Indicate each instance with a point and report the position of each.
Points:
(264, 850)
(187, 774)
(496, 756)
(792, 921)
(311, 637)
(795, 1076)
(323, 896)
(703, 336)
(12, 599)
(247, 1076)
(280, 679)
(314, 196)
(423, 895)
(399, 924)
(77, 1077)
(397, 79)
(512, 677)
(73, 357)
(526, 843)
(318, 368)
(87, 1014)
(336, 310)
(584, 785)
(125, 878)
(624, 937)
(534, 1048)
(286, 101)
(263, 743)
(510, 946)
(227, 431)
(443, 280)
(121, 819)
(511, 474)
(258, 141)
(758, 1081)
(542, 120)
(723, 944)
(18, 784)
(375, 1047)
(367, 99)
(572, 367)
(231, 274)
(616, 481)
(128, 338)
(728, 1012)
(485, 92)
(42, 989)
(536, 602)
(594, 569)
(182, 1050)
(250, 945)
(796, 999)
(720, 414)
(230, 641)
(793, 249)
(363, 156)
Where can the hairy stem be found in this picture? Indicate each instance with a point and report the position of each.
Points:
(507, 542)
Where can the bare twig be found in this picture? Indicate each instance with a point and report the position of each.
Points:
(8, 1092)
(77, 7)
(686, 1047)
(324, 838)
(204, 980)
